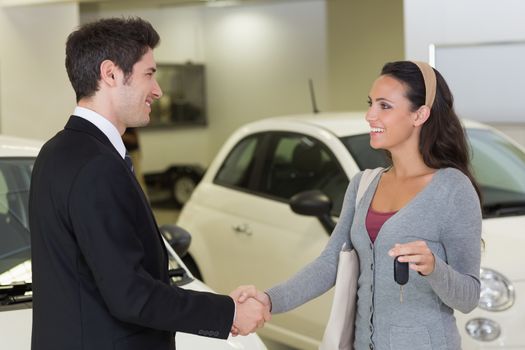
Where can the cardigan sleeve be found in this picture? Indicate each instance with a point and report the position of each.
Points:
(319, 276)
(456, 280)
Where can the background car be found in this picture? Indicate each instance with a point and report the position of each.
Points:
(177, 183)
(245, 231)
(16, 162)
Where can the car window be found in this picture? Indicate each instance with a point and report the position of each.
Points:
(499, 168)
(15, 253)
(497, 165)
(297, 163)
(15, 243)
(236, 169)
(364, 155)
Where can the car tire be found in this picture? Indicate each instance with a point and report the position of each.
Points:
(182, 188)
(192, 266)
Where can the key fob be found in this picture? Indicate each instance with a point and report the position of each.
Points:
(400, 272)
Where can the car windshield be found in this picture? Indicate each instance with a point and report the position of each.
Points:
(15, 252)
(15, 244)
(498, 166)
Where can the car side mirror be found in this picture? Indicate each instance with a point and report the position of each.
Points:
(177, 237)
(314, 203)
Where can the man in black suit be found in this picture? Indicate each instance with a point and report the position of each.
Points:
(100, 269)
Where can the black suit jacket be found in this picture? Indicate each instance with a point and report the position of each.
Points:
(100, 269)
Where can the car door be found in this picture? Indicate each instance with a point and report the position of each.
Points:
(294, 163)
(252, 235)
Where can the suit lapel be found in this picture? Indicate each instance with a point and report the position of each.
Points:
(80, 124)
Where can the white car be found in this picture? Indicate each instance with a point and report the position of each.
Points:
(245, 231)
(16, 162)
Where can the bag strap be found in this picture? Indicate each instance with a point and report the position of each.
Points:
(366, 179)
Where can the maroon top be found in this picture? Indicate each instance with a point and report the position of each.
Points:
(374, 222)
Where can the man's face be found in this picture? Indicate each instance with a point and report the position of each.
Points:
(136, 94)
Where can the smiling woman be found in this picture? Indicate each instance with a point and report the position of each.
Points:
(434, 226)
(254, 232)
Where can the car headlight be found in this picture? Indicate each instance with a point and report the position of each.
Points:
(497, 292)
(483, 329)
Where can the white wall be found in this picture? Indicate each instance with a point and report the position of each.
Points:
(258, 70)
(35, 95)
(362, 36)
(460, 22)
(259, 60)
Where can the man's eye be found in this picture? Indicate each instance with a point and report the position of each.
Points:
(369, 103)
(385, 106)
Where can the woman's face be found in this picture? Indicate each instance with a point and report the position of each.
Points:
(390, 116)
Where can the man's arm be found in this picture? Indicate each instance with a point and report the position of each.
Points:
(103, 210)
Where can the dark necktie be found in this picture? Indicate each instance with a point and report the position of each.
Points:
(127, 158)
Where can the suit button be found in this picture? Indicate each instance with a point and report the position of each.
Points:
(371, 266)
(371, 346)
(371, 328)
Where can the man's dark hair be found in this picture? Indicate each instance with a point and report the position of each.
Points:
(122, 40)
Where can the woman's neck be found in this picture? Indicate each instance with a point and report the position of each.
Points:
(409, 165)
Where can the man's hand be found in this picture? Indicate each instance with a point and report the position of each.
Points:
(251, 313)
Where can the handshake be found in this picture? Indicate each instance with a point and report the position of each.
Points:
(252, 310)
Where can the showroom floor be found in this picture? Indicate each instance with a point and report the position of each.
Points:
(166, 214)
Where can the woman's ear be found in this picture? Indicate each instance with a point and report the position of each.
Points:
(107, 72)
(421, 115)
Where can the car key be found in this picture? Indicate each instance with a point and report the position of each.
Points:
(400, 275)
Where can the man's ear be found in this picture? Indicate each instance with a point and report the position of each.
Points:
(421, 115)
(108, 71)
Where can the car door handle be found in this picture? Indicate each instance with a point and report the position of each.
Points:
(242, 229)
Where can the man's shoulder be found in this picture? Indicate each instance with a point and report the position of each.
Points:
(68, 141)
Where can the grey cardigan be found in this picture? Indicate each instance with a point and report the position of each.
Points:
(447, 215)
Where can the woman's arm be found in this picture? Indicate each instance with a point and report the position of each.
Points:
(456, 281)
(319, 276)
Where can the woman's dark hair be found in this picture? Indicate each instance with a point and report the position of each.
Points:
(442, 140)
(121, 40)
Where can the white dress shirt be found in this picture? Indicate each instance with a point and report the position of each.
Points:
(103, 125)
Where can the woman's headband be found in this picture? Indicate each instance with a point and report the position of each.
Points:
(429, 77)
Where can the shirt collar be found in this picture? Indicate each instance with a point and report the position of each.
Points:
(103, 125)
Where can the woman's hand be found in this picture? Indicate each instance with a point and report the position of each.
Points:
(417, 254)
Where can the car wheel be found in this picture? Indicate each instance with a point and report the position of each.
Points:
(182, 188)
(192, 266)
